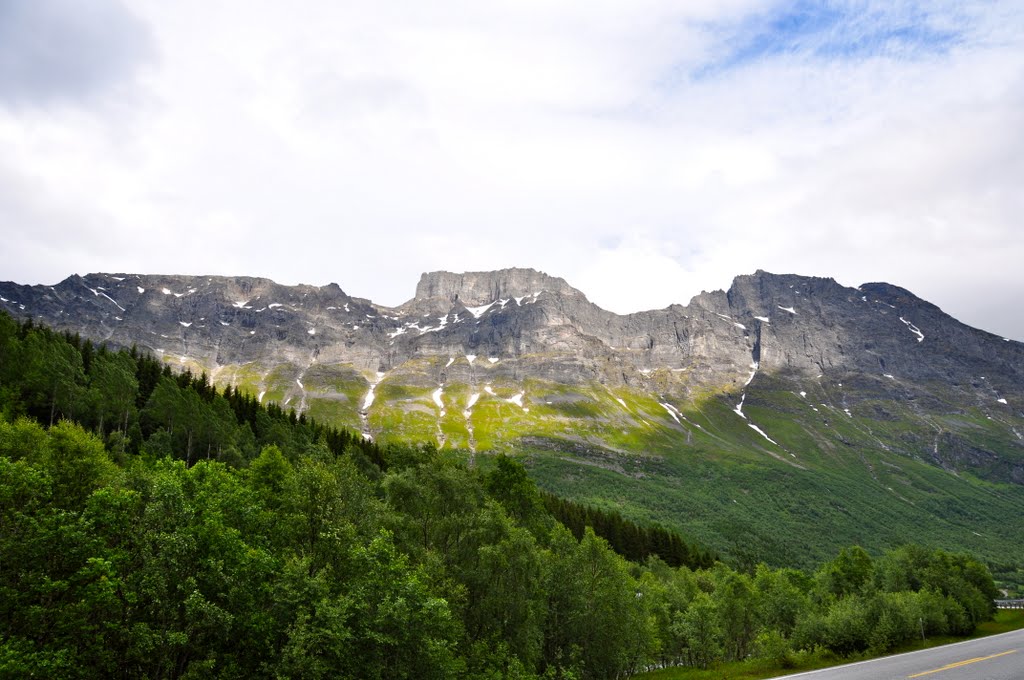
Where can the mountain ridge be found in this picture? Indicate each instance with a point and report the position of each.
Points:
(718, 333)
(870, 391)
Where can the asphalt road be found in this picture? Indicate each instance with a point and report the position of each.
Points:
(999, 657)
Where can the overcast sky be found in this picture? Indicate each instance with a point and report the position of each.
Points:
(643, 150)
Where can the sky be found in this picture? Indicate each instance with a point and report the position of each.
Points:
(643, 150)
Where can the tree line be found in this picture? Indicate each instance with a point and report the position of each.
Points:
(132, 400)
(633, 541)
(153, 526)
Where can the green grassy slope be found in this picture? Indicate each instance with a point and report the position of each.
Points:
(830, 463)
(830, 479)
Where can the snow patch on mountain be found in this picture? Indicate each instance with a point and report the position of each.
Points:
(913, 329)
(477, 312)
(370, 395)
(739, 407)
(761, 432)
(754, 366)
(473, 398)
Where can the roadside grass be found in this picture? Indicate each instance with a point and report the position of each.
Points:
(752, 669)
(761, 669)
(1005, 621)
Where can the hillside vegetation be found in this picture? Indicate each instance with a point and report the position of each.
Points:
(778, 421)
(151, 526)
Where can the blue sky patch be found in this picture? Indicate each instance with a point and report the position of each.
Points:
(830, 31)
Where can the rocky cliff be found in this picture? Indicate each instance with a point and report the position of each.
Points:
(743, 417)
(518, 326)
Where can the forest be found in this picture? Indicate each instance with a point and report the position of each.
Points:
(154, 526)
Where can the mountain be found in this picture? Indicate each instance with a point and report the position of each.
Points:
(776, 420)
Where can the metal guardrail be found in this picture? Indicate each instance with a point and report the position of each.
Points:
(1009, 604)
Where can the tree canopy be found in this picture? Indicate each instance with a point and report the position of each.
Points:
(154, 526)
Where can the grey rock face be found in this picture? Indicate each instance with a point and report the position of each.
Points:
(879, 349)
(866, 390)
(480, 288)
(538, 326)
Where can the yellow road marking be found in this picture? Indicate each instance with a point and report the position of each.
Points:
(962, 663)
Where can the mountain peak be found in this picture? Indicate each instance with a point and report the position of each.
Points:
(793, 385)
(479, 288)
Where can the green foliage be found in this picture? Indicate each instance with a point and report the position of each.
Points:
(698, 632)
(152, 526)
(509, 484)
(841, 480)
(848, 574)
(629, 539)
(773, 646)
(847, 627)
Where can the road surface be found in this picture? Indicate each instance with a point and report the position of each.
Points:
(998, 657)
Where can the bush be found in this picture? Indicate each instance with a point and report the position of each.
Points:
(847, 626)
(773, 647)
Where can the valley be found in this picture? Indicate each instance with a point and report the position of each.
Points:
(777, 421)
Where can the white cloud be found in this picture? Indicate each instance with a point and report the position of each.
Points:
(52, 51)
